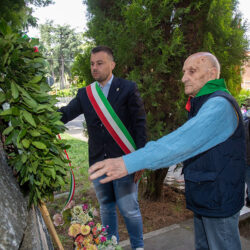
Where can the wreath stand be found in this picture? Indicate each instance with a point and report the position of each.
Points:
(50, 225)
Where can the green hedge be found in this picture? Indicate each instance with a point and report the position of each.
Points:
(243, 97)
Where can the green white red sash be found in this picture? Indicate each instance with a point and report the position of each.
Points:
(110, 119)
(72, 182)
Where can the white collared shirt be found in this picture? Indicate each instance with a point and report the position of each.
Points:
(106, 88)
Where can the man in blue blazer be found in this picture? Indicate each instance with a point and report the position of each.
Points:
(124, 98)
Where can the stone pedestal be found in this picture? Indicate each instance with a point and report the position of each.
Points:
(20, 228)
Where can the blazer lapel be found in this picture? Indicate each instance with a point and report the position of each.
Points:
(114, 91)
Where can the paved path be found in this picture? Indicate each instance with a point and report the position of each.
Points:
(175, 237)
(75, 128)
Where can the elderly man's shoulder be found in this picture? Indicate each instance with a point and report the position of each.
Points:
(220, 104)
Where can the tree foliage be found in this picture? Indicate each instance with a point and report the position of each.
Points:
(29, 120)
(18, 13)
(81, 66)
(151, 40)
(59, 44)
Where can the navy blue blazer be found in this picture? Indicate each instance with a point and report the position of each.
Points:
(125, 99)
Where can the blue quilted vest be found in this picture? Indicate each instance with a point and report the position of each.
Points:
(214, 180)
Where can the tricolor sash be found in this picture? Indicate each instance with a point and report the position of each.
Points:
(72, 182)
(110, 119)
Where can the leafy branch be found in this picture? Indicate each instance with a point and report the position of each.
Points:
(29, 121)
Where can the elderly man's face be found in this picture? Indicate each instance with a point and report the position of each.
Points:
(196, 73)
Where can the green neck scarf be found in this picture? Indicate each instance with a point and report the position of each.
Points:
(212, 86)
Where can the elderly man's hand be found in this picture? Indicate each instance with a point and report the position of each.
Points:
(113, 168)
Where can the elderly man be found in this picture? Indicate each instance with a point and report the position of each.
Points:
(211, 144)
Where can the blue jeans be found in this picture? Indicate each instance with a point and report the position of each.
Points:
(248, 180)
(217, 233)
(123, 193)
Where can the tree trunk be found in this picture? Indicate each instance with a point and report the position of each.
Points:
(52, 69)
(62, 82)
(154, 186)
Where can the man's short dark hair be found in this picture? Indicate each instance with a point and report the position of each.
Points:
(103, 49)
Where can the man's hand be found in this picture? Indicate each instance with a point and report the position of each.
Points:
(113, 168)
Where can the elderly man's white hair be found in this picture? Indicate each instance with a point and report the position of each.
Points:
(212, 59)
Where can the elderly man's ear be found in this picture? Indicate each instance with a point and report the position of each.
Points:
(213, 73)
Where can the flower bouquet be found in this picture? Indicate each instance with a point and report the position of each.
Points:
(86, 234)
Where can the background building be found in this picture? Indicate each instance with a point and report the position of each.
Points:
(246, 74)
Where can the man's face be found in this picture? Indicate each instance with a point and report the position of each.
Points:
(102, 66)
(196, 73)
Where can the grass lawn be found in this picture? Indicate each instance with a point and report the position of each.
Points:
(78, 155)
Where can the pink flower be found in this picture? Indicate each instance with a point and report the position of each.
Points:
(95, 213)
(84, 207)
(103, 239)
(91, 224)
(103, 229)
(36, 49)
(58, 220)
